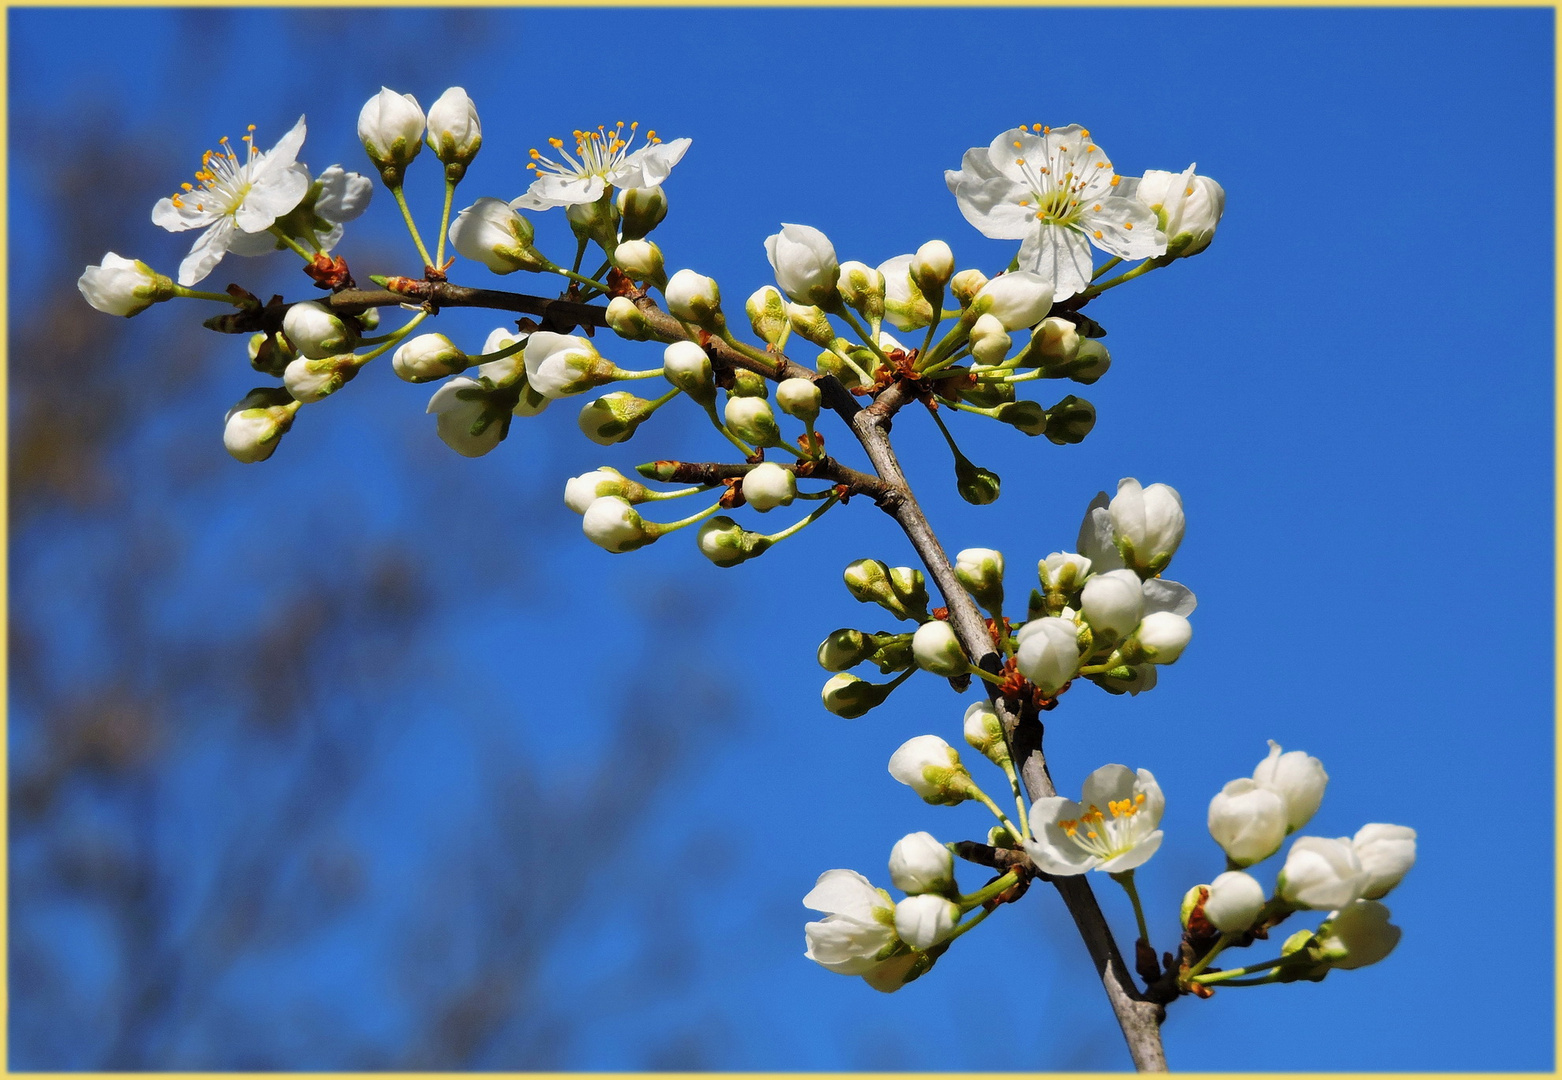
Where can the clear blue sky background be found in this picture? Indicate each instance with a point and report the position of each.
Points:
(1351, 389)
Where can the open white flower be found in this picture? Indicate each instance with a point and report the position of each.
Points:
(334, 197)
(602, 159)
(858, 929)
(236, 195)
(1054, 190)
(1072, 837)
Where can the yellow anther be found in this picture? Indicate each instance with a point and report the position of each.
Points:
(1016, 144)
(1096, 208)
(1019, 161)
(1024, 202)
(1188, 192)
(1085, 132)
(1035, 127)
(188, 187)
(250, 128)
(633, 124)
(1092, 148)
(1046, 131)
(1128, 224)
(1115, 179)
(1101, 164)
(1091, 835)
(177, 202)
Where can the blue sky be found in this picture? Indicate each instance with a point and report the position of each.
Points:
(1351, 389)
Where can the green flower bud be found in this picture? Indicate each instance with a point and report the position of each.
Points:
(270, 355)
(984, 732)
(894, 652)
(868, 580)
(850, 697)
(988, 394)
(593, 221)
(998, 836)
(1070, 420)
(726, 543)
(767, 314)
(686, 366)
(1191, 901)
(980, 572)
(746, 383)
(812, 324)
(626, 320)
(751, 418)
(799, 398)
(910, 588)
(862, 288)
(977, 486)
(613, 418)
(641, 210)
(1090, 362)
(966, 284)
(845, 648)
(1026, 416)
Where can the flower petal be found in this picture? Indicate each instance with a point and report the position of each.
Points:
(1172, 596)
(343, 195)
(993, 206)
(180, 218)
(1052, 850)
(207, 252)
(1108, 784)
(1124, 227)
(649, 166)
(1137, 856)
(844, 892)
(269, 199)
(1059, 254)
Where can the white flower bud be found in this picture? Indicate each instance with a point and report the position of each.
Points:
(1161, 637)
(1062, 572)
(1356, 935)
(1296, 778)
(849, 697)
(428, 357)
(1321, 873)
(932, 266)
(984, 731)
(390, 126)
(626, 320)
(1247, 821)
(1386, 853)
(1188, 206)
(1049, 653)
(640, 259)
(767, 314)
(583, 490)
(686, 366)
(592, 221)
(751, 418)
(463, 418)
(904, 305)
(918, 863)
(614, 525)
(120, 286)
(491, 232)
(640, 209)
(454, 132)
(253, 429)
(980, 572)
(1054, 341)
(966, 284)
(931, 767)
(925, 920)
(800, 398)
(613, 418)
(859, 926)
(1017, 299)
(812, 324)
(1112, 603)
(315, 331)
(726, 543)
(1148, 523)
(694, 298)
(805, 264)
(559, 365)
(767, 486)
(310, 380)
(862, 287)
(845, 648)
(990, 342)
(937, 649)
(1234, 902)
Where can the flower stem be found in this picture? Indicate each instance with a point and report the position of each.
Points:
(1096, 290)
(743, 448)
(862, 332)
(1019, 798)
(498, 354)
(986, 675)
(1104, 267)
(988, 891)
(748, 350)
(622, 375)
(592, 283)
(412, 226)
(276, 230)
(1126, 880)
(392, 338)
(1215, 950)
(1236, 973)
(653, 496)
(776, 538)
(444, 223)
(202, 294)
(969, 923)
(659, 529)
(981, 796)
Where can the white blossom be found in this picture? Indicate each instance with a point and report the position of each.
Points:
(918, 863)
(1247, 821)
(1148, 524)
(693, 297)
(614, 525)
(1162, 635)
(492, 233)
(334, 198)
(1054, 190)
(1386, 853)
(858, 930)
(602, 159)
(1017, 299)
(1073, 837)
(236, 195)
(1321, 873)
(454, 131)
(930, 767)
(390, 126)
(804, 263)
(767, 486)
(904, 305)
(1234, 902)
(561, 365)
(1049, 652)
(799, 398)
(1296, 778)
(937, 649)
(315, 331)
(253, 428)
(924, 920)
(120, 286)
(1112, 603)
(459, 406)
(1187, 205)
(1356, 935)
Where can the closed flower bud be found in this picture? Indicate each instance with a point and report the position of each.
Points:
(1025, 416)
(1321, 873)
(932, 266)
(427, 357)
(583, 490)
(845, 648)
(314, 331)
(120, 286)
(253, 429)
(1296, 778)
(626, 320)
(640, 209)
(310, 380)
(805, 264)
(686, 366)
(976, 485)
(931, 768)
(937, 649)
(1017, 299)
(614, 525)
(640, 259)
(726, 543)
(1247, 821)
(1112, 603)
(1091, 361)
(593, 221)
(1053, 343)
(1070, 420)
(1356, 935)
(850, 697)
(767, 486)
(1062, 572)
(492, 233)
(1161, 637)
(613, 418)
(1049, 653)
(1148, 523)
(1386, 853)
(862, 288)
(454, 131)
(925, 920)
(465, 419)
(966, 284)
(799, 398)
(910, 588)
(984, 731)
(560, 365)
(904, 305)
(918, 864)
(1188, 206)
(751, 418)
(904, 596)
(811, 324)
(390, 126)
(694, 298)
(1234, 902)
(767, 315)
(270, 353)
(989, 341)
(980, 572)
(747, 383)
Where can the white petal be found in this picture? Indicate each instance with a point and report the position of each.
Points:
(343, 195)
(251, 244)
(285, 152)
(1172, 596)
(992, 205)
(1138, 855)
(1059, 254)
(649, 166)
(271, 198)
(208, 251)
(180, 218)
(845, 892)
(1143, 240)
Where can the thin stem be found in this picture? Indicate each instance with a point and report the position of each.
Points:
(412, 226)
(1138, 271)
(653, 496)
(1126, 880)
(990, 890)
(580, 253)
(746, 349)
(776, 538)
(202, 294)
(981, 796)
(444, 223)
(1235, 973)
(622, 375)
(1215, 950)
(743, 448)
(392, 338)
(659, 529)
(986, 676)
(276, 230)
(973, 921)
(498, 354)
(862, 332)
(1019, 798)
(1104, 267)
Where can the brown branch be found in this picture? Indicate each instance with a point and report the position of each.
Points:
(827, 468)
